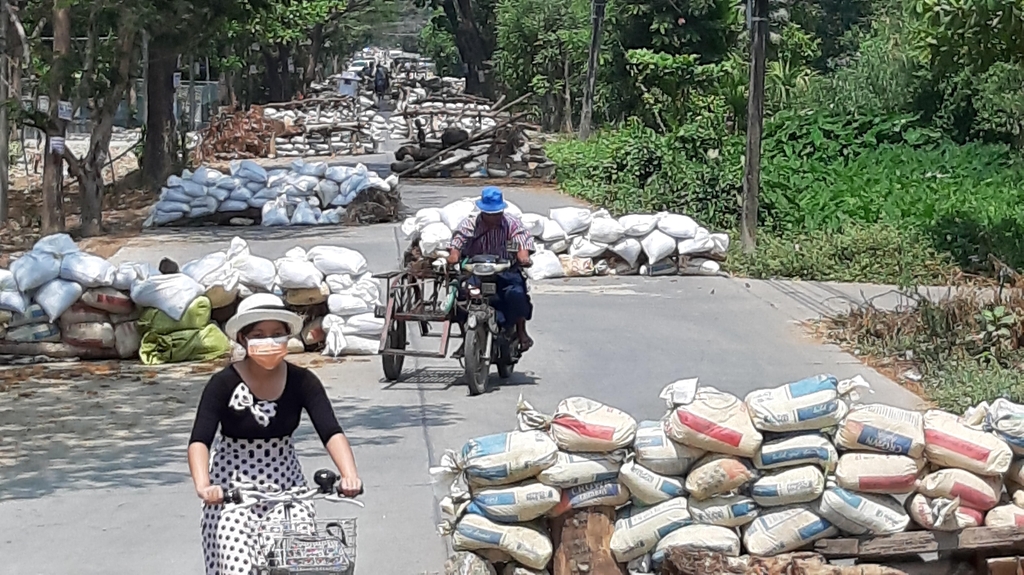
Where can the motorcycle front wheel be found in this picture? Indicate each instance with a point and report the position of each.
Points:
(478, 363)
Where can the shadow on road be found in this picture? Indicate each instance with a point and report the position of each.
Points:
(442, 378)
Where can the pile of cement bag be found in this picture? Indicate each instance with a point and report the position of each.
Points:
(302, 194)
(87, 307)
(331, 126)
(578, 242)
(764, 475)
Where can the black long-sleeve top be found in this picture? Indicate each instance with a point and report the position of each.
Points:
(228, 403)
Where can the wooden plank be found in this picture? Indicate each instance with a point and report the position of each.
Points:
(582, 540)
(1005, 566)
(914, 542)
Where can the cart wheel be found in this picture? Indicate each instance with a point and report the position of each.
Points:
(478, 364)
(397, 339)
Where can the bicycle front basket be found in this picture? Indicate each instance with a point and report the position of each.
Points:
(314, 554)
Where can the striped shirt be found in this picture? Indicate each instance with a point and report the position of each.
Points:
(472, 239)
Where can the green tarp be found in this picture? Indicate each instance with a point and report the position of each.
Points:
(197, 316)
(186, 345)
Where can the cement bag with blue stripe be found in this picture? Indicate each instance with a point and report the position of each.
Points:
(725, 511)
(606, 493)
(573, 469)
(527, 546)
(516, 503)
(806, 405)
(798, 450)
(639, 533)
(500, 459)
(789, 487)
(648, 487)
(863, 514)
(882, 429)
(708, 538)
(655, 451)
(785, 530)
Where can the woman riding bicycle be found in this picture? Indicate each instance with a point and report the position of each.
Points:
(257, 403)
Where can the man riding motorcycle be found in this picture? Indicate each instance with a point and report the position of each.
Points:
(496, 233)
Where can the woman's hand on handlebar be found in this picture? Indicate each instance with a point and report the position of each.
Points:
(350, 486)
(211, 494)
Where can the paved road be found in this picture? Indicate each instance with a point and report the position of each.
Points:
(111, 494)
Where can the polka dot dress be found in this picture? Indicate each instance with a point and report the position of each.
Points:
(229, 541)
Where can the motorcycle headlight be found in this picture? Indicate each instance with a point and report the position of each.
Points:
(483, 269)
(474, 291)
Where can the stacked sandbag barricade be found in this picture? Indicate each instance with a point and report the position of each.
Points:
(59, 301)
(302, 194)
(578, 242)
(330, 126)
(765, 475)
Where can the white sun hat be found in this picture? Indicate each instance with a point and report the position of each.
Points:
(262, 307)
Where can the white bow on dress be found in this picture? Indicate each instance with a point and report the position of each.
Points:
(243, 399)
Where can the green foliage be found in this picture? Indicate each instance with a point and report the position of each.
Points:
(437, 42)
(1000, 103)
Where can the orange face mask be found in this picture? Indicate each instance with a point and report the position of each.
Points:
(268, 352)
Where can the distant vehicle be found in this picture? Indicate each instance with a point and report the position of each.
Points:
(358, 66)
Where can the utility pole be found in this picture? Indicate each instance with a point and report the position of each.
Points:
(596, 21)
(5, 128)
(757, 16)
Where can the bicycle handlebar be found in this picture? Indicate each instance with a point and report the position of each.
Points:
(325, 479)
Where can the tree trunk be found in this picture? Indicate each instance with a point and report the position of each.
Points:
(316, 38)
(596, 20)
(53, 163)
(5, 128)
(275, 87)
(755, 111)
(160, 155)
(287, 76)
(473, 47)
(582, 541)
(567, 103)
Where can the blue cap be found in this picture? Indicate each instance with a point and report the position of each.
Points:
(491, 201)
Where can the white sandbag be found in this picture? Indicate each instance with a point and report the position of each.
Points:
(706, 538)
(90, 335)
(127, 339)
(334, 341)
(882, 428)
(515, 503)
(364, 325)
(553, 232)
(812, 449)
(109, 300)
(606, 493)
(275, 213)
(202, 207)
(206, 176)
(337, 260)
(129, 273)
(233, 206)
(862, 514)
(700, 243)
(583, 248)
(789, 487)
(638, 225)
(981, 493)
(878, 473)
(409, 230)
(427, 216)
(10, 297)
(713, 421)
(303, 215)
(34, 313)
(629, 249)
(605, 230)
(34, 333)
(295, 273)
(332, 217)
(453, 214)
(942, 514)
(219, 192)
(717, 474)
(249, 170)
(174, 194)
(500, 459)
(1002, 417)
(316, 169)
(948, 442)
(785, 530)
(655, 451)
(158, 218)
(640, 533)
(809, 404)
(339, 174)
(571, 220)
(700, 267)
(726, 510)
(574, 469)
(648, 487)
(34, 269)
(534, 223)
(57, 296)
(582, 425)
(658, 245)
(56, 244)
(546, 265)
(512, 569)
(171, 293)
(253, 271)
(435, 238)
(347, 304)
(677, 226)
(1005, 516)
(527, 546)
(357, 345)
(721, 242)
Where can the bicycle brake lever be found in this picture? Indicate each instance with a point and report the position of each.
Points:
(340, 499)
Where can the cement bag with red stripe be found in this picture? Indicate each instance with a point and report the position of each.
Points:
(980, 493)
(806, 405)
(527, 546)
(708, 538)
(648, 487)
(942, 514)
(789, 487)
(655, 451)
(878, 473)
(948, 442)
(515, 503)
(717, 474)
(499, 459)
(726, 510)
(609, 492)
(639, 533)
(583, 425)
(882, 428)
(712, 420)
(1005, 516)
(810, 449)
(862, 514)
(572, 469)
(784, 530)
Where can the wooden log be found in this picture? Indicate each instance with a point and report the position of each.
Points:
(466, 143)
(56, 350)
(582, 540)
(915, 542)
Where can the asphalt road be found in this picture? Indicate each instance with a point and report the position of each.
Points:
(111, 494)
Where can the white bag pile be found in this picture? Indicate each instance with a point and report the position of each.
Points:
(303, 194)
(765, 475)
(574, 242)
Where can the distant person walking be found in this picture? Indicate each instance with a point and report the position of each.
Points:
(381, 83)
